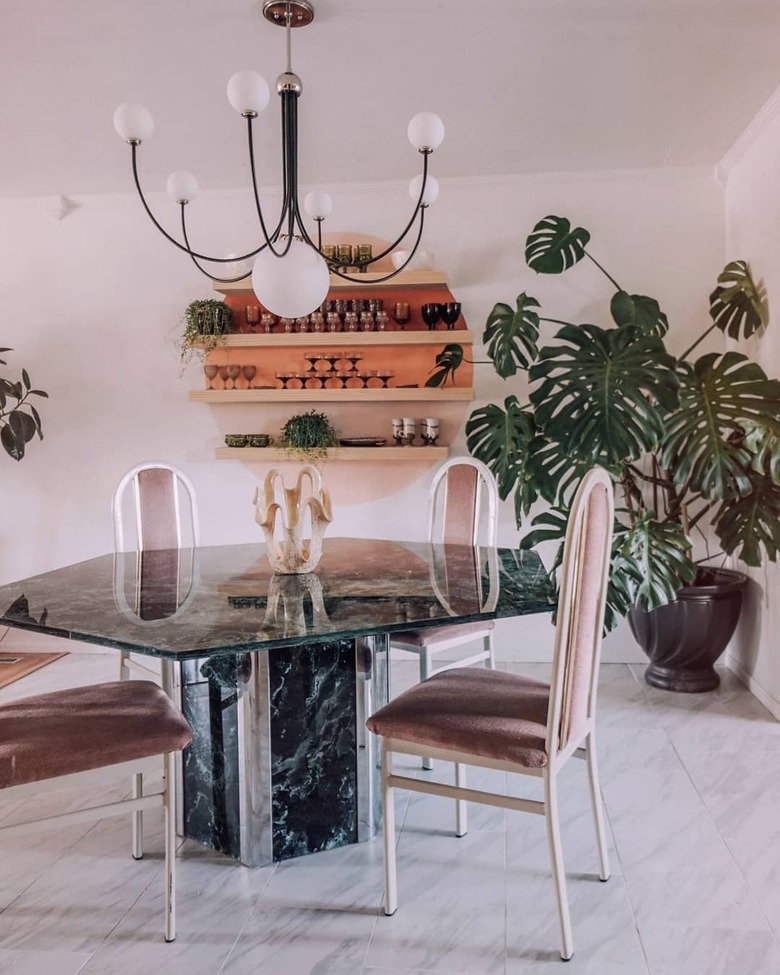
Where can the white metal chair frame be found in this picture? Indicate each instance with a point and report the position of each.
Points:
(181, 482)
(559, 750)
(165, 797)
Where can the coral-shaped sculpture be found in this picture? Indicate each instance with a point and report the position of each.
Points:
(288, 551)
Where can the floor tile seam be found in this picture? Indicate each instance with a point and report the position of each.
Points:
(250, 914)
(726, 845)
(624, 881)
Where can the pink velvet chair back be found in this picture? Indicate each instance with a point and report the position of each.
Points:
(585, 573)
(463, 499)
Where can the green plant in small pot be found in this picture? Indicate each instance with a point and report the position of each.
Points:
(206, 322)
(19, 420)
(690, 443)
(308, 435)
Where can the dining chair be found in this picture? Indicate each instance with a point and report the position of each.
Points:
(492, 719)
(157, 491)
(70, 738)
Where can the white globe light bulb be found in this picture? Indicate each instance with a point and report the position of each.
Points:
(291, 286)
(133, 122)
(182, 186)
(431, 194)
(318, 204)
(426, 131)
(248, 92)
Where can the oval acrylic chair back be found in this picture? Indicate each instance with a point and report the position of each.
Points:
(463, 504)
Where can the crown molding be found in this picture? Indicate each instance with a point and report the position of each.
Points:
(764, 118)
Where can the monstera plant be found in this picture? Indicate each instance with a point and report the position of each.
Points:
(690, 442)
(19, 420)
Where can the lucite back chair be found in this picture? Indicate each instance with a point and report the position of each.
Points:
(504, 721)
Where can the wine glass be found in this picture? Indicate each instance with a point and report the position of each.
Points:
(223, 375)
(381, 321)
(350, 321)
(366, 321)
(302, 323)
(334, 322)
(249, 374)
(401, 312)
(317, 321)
(267, 320)
(233, 373)
(431, 313)
(211, 374)
(450, 313)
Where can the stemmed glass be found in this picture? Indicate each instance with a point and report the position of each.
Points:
(431, 313)
(211, 374)
(252, 316)
(311, 358)
(284, 378)
(353, 358)
(401, 312)
(223, 375)
(249, 374)
(267, 320)
(333, 358)
(334, 322)
(385, 375)
(450, 313)
(233, 373)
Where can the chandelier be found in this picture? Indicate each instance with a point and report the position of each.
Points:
(290, 276)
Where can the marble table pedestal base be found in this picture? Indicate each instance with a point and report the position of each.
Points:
(281, 763)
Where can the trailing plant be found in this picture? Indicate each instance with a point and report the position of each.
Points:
(19, 420)
(308, 435)
(685, 439)
(206, 321)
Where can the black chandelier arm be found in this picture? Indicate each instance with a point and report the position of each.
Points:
(335, 262)
(194, 256)
(269, 238)
(388, 277)
(164, 232)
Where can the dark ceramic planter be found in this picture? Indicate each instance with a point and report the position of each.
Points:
(685, 638)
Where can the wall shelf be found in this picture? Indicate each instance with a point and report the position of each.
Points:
(364, 454)
(337, 340)
(406, 279)
(393, 395)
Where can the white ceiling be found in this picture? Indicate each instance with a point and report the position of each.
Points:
(523, 86)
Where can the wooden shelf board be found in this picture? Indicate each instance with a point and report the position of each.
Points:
(406, 279)
(366, 454)
(421, 395)
(337, 340)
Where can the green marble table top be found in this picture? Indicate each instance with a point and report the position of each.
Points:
(225, 599)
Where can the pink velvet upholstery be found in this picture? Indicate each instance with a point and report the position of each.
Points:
(85, 728)
(460, 509)
(157, 500)
(483, 712)
(586, 620)
(435, 634)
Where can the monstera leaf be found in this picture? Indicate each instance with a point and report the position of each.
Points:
(718, 394)
(735, 305)
(555, 472)
(552, 246)
(640, 312)
(751, 524)
(764, 448)
(448, 360)
(596, 391)
(511, 335)
(500, 439)
(654, 562)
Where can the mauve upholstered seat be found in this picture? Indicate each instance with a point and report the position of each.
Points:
(85, 728)
(435, 634)
(483, 712)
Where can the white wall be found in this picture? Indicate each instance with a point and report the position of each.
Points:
(91, 306)
(752, 173)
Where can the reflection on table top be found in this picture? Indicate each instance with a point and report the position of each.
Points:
(225, 599)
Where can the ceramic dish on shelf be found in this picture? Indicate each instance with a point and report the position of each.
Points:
(363, 441)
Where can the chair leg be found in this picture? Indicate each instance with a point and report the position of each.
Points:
(388, 832)
(490, 663)
(124, 670)
(170, 848)
(138, 818)
(556, 862)
(598, 807)
(425, 673)
(461, 813)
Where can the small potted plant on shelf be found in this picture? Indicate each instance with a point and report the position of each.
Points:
(19, 420)
(206, 321)
(308, 435)
(690, 443)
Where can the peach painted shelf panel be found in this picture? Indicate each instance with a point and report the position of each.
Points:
(330, 396)
(406, 279)
(365, 454)
(336, 340)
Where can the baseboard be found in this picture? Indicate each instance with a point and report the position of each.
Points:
(758, 690)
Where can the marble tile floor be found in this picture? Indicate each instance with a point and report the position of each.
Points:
(691, 786)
